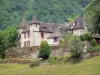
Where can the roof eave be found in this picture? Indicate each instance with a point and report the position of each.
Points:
(34, 23)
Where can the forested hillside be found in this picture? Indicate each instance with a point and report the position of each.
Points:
(92, 16)
(12, 11)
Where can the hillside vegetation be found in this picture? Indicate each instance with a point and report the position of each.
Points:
(12, 11)
(87, 67)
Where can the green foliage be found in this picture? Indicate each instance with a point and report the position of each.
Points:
(95, 48)
(92, 16)
(93, 42)
(58, 59)
(2, 49)
(45, 50)
(64, 41)
(86, 37)
(8, 39)
(76, 47)
(12, 11)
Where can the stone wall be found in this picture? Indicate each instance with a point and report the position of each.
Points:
(22, 53)
(32, 52)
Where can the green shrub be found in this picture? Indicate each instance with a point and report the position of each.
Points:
(86, 37)
(93, 42)
(82, 37)
(95, 48)
(58, 59)
(44, 51)
(76, 47)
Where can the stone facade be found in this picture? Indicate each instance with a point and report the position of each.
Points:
(32, 52)
(34, 33)
(77, 27)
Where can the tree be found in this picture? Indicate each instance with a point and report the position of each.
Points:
(2, 48)
(8, 39)
(44, 51)
(92, 16)
(12, 11)
(93, 42)
(75, 47)
(64, 41)
(86, 37)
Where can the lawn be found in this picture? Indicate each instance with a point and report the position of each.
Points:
(86, 67)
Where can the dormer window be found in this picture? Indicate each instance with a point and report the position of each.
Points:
(44, 27)
(36, 25)
(55, 39)
(24, 35)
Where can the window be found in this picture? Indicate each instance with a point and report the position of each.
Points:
(55, 39)
(42, 35)
(44, 27)
(24, 44)
(19, 44)
(24, 35)
(28, 43)
(36, 25)
(28, 35)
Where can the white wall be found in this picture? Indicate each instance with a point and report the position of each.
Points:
(79, 32)
(22, 40)
(35, 37)
(52, 43)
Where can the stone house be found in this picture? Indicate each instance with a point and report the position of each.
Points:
(34, 33)
(77, 27)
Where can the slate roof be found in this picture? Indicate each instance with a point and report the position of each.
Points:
(56, 29)
(78, 24)
(56, 33)
(45, 27)
(34, 21)
(25, 26)
(53, 28)
(24, 23)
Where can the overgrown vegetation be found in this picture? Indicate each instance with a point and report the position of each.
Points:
(76, 48)
(88, 37)
(45, 50)
(95, 48)
(92, 16)
(74, 45)
(8, 39)
(58, 59)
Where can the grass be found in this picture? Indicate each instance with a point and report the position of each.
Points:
(86, 67)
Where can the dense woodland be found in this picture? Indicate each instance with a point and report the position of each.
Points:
(12, 11)
(92, 16)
